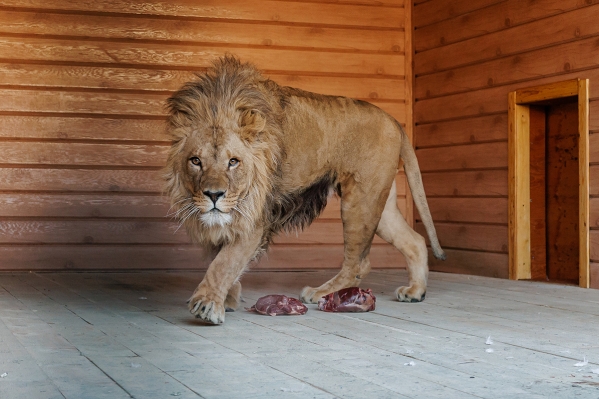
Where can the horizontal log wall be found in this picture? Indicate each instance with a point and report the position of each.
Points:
(82, 142)
(468, 56)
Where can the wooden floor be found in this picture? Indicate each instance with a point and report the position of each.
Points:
(124, 335)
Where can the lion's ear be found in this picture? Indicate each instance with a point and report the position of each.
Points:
(252, 121)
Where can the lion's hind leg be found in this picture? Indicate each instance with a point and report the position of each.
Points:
(394, 229)
(360, 211)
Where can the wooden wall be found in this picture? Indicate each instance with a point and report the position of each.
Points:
(468, 56)
(83, 85)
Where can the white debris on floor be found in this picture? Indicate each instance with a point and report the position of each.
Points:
(583, 363)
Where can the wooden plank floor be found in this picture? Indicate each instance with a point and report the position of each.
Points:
(129, 335)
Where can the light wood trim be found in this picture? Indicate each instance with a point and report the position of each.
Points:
(519, 173)
(409, 99)
(583, 176)
(519, 192)
(549, 91)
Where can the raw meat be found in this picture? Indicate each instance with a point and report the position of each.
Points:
(351, 299)
(274, 305)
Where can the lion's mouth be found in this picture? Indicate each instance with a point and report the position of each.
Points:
(216, 217)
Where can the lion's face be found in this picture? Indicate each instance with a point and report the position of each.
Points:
(216, 174)
(217, 169)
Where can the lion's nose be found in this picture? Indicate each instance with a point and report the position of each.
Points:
(214, 195)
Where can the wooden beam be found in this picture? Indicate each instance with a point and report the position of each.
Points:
(519, 189)
(583, 179)
(549, 91)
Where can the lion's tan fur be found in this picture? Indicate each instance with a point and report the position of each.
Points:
(251, 158)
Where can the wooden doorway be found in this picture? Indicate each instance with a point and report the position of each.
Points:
(548, 183)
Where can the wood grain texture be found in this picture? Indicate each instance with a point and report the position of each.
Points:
(478, 237)
(86, 180)
(594, 275)
(593, 148)
(91, 232)
(58, 127)
(467, 183)
(545, 32)
(474, 130)
(476, 210)
(115, 155)
(435, 11)
(167, 81)
(583, 144)
(484, 102)
(594, 248)
(268, 11)
(544, 62)
(519, 189)
(548, 92)
(207, 32)
(497, 17)
(472, 262)
(469, 156)
(83, 102)
(111, 53)
(594, 180)
(95, 257)
(90, 205)
(594, 212)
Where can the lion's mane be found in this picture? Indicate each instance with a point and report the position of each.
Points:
(226, 88)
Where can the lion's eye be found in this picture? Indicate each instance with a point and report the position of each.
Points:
(233, 162)
(196, 161)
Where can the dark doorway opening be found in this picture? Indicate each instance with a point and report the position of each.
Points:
(554, 193)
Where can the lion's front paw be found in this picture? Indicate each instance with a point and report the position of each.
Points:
(410, 294)
(311, 295)
(209, 310)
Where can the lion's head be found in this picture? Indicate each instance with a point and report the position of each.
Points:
(221, 166)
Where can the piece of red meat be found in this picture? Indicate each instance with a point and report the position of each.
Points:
(274, 305)
(351, 299)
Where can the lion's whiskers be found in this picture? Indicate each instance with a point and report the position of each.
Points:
(187, 215)
(180, 210)
(168, 213)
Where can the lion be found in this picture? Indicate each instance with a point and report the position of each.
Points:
(250, 158)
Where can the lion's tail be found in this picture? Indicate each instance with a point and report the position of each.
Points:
(417, 188)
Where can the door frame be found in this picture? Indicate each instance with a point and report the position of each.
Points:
(519, 103)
